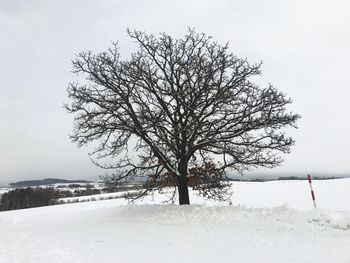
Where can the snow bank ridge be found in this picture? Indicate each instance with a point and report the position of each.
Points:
(281, 217)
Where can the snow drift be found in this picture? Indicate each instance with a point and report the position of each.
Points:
(112, 231)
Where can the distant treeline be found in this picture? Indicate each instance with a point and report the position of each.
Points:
(28, 197)
(35, 197)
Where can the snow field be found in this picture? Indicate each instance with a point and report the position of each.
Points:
(330, 194)
(255, 231)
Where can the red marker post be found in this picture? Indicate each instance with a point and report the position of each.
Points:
(312, 191)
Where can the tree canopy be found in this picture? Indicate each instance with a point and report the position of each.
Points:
(178, 112)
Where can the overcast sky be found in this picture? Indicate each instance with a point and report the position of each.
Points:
(305, 47)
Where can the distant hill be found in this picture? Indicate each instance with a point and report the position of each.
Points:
(286, 178)
(305, 178)
(47, 181)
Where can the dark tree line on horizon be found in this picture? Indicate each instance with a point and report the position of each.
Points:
(28, 197)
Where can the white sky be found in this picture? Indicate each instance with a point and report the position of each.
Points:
(305, 47)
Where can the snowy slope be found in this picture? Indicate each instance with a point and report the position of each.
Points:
(330, 194)
(111, 231)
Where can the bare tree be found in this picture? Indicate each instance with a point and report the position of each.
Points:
(186, 107)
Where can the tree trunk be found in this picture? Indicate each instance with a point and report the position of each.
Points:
(182, 187)
(184, 198)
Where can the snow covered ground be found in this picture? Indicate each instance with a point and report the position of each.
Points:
(256, 228)
(330, 194)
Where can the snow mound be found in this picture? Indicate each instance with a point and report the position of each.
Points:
(194, 215)
(105, 231)
(338, 220)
